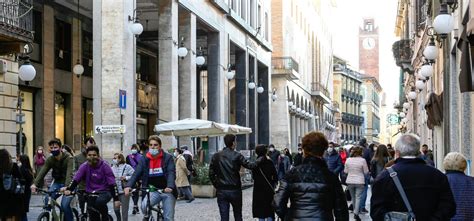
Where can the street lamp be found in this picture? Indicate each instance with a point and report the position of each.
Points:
(406, 105)
(426, 71)
(136, 28)
(420, 85)
(26, 73)
(412, 95)
(251, 85)
(260, 89)
(443, 24)
(200, 60)
(182, 51)
(431, 51)
(274, 96)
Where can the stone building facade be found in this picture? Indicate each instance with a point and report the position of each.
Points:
(232, 36)
(371, 108)
(348, 93)
(302, 71)
(450, 129)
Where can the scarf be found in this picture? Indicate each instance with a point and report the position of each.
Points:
(156, 169)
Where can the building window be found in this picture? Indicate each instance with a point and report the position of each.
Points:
(28, 129)
(87, 54)
(259, 18)
(37, 56)
(267, 27)
(87, 118)
(62, 45)
(243, 11)
(146, 68)
(252, 13)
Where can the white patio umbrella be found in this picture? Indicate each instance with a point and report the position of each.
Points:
(199, 128)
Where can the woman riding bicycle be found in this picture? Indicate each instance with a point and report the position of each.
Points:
(99, 179)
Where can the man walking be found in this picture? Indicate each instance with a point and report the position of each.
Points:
(426, 188)
(224, 172)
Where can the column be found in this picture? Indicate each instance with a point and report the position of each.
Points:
(297, 129)
(114, 56)
(187, 71)
(294, 143)
(76, 94)
(168, 102)
(215, 82)
(48, 76)
(241, 96)
(252, 103)
(264, 107)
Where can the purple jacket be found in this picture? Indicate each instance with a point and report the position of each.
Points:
(133, 160)
(99, 178)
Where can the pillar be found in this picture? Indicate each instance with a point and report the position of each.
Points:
(293, 135)
(187, 71)
(252, 110)
(297, 129)
(241, 97)
(114, 56)
(264, 107)
(48, 75)
(76, 94)
(168, 102)
(215, 82)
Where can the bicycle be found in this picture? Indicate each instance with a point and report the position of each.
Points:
(148, 216)
(89, 209)
(49, 212)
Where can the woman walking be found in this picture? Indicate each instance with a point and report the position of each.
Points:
(38, 160)
(122, 172)
(182, 173)
(356, 170)
(264, 181)
(12, 201)
(27, 173)
(377, 164)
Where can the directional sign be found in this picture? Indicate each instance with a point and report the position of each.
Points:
(110, 129)
(393, 119)
(122, 99)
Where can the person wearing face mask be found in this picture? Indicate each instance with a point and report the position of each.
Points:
(62, 165)
(298, 157)
(182, 173)
(79, 159)
(283, 165)
(156, 168)
(132, 159)
(273, 154)
(38, 161)
(333, 160)
(99, 179)
(122, 172)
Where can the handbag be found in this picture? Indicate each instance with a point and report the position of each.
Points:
(399, 216)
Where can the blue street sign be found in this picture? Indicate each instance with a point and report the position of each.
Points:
(122, 99)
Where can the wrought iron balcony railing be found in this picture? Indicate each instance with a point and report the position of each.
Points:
(318, 87)
(16, 20)
(286, 63)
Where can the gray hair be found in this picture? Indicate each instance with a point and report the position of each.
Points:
(408, 145)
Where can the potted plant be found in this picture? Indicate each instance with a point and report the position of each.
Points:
(201, 184)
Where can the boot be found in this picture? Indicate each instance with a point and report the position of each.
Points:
(356, 217)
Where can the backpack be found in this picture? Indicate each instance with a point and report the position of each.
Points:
(12, 184)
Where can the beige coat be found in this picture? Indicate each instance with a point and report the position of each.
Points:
(182, 172)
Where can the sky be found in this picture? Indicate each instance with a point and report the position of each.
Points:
(345, 29)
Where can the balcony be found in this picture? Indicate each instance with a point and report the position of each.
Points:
(16, 25)
(320, 92)
(353, 119)
(285, 66)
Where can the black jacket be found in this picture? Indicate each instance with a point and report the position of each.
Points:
(315, 193)
(298, 159)
(265, 179)
(427, 190)
(224, 170)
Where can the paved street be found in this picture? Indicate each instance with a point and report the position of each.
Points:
(200, 209)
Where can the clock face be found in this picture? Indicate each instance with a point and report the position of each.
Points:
(368, 43)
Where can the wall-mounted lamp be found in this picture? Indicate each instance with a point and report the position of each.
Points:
(406, 105)
(182, 51)
(426, 71)
(136, 28)
(443, 24)
(260, 88)
(420, 85)
(402, 115)
(200, 60)
(251, 85)
(274, 96)
(431, 51)
(412, 95)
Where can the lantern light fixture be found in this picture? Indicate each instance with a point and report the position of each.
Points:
(443, 24)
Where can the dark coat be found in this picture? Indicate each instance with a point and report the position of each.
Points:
(142, 172)
(224, 169)
(298, 159)
(334, 162)
(463, 191)
(262, 191)
(274, 157)
(315, 193)
(427, 190)
(12, 204)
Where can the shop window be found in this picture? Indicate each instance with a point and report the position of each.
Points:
(27, 109)
(62, 45)
(146, 68)
(87, 118)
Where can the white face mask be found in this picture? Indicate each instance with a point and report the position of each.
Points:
(19, 164)
(330, 149)
(272, 149)
(282, 155)
(175, 154)
(115, 161)
(299, 151)
(134, 151)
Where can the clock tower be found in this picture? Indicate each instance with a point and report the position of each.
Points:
(369, 48)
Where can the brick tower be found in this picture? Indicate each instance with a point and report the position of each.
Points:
(369, 48)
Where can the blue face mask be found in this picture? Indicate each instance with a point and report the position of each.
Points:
(154, 152)
(134, 151)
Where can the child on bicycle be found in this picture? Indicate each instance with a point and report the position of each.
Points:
(100, 180)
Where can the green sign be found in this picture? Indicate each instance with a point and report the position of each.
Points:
(393, 119)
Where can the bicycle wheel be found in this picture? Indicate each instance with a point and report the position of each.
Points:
(44, 216)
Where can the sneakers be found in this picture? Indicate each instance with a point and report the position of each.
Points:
(190, 200)
(363, 210)
(135, 210)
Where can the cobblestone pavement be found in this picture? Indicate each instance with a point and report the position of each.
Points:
(201, 209)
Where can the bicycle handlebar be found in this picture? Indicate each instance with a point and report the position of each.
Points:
(148, 189)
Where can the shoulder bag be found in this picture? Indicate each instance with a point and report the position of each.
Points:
(399, 216)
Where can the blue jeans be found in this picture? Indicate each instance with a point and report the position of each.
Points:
(168, 203)
(65, 202)
(186, 191)
(363, 197)
(227, 197)
(266, 219)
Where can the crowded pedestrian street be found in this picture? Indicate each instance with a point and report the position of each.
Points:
(238, 110)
